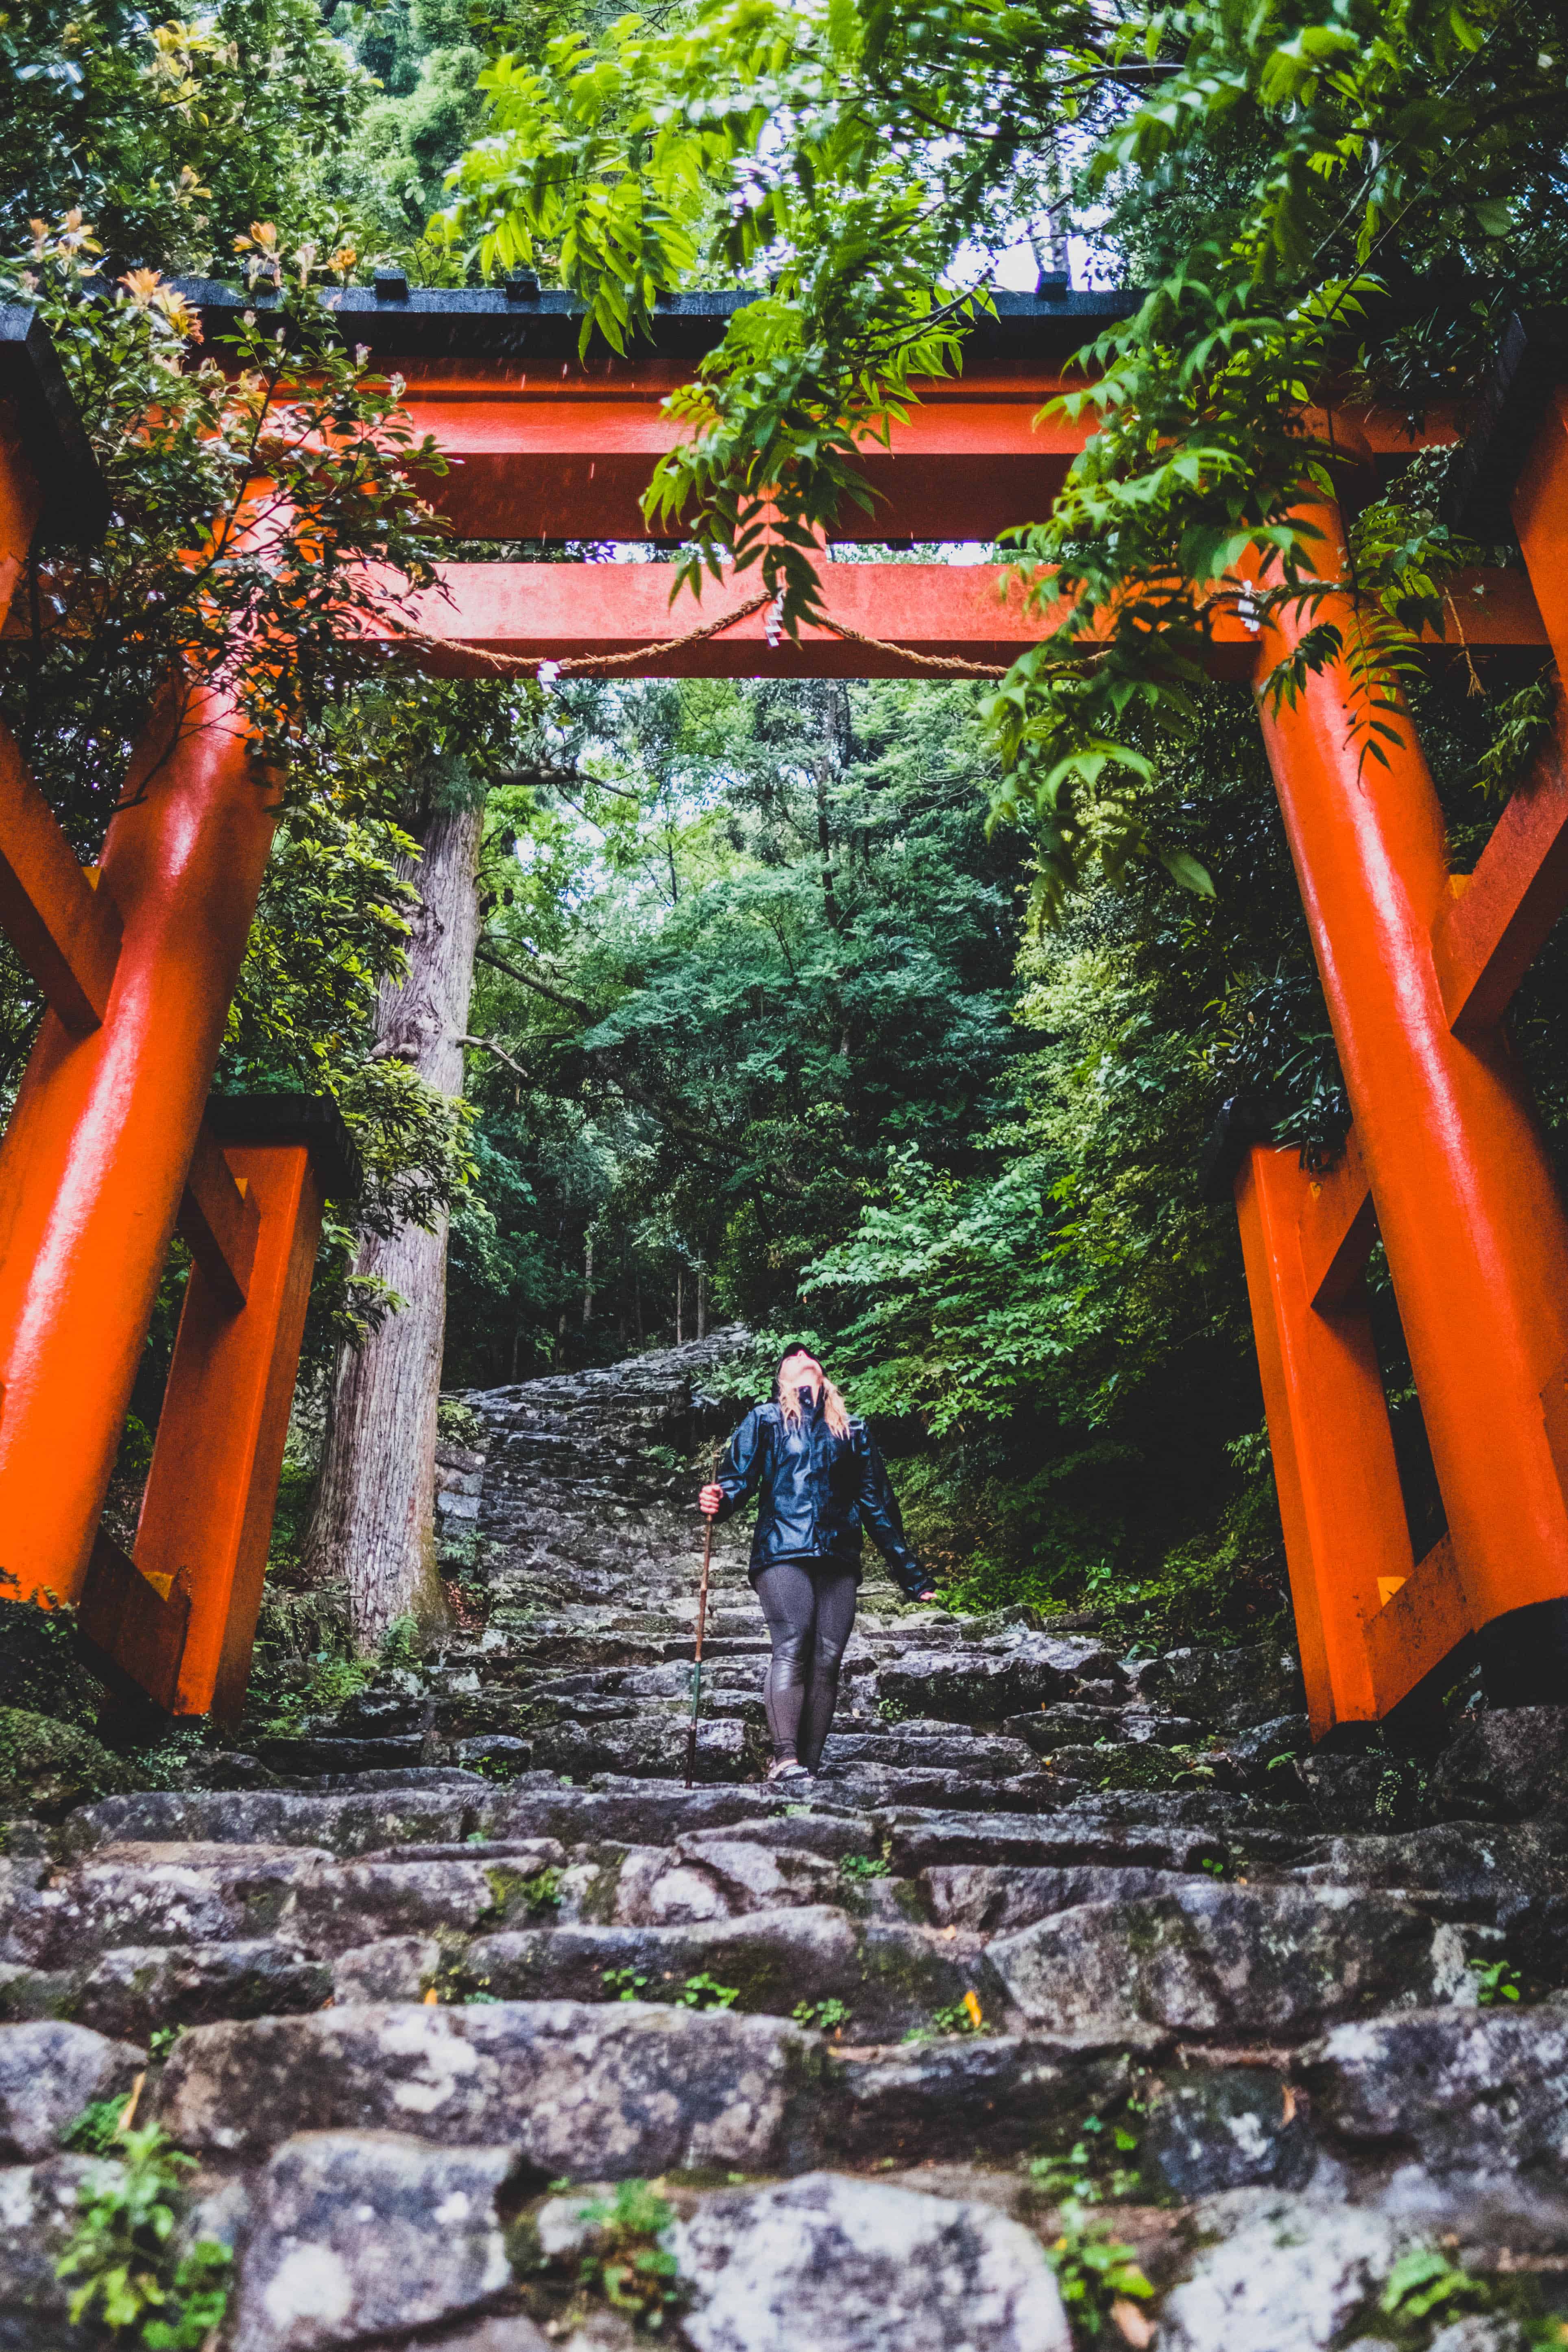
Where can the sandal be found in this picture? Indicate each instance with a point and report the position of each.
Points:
(787, 1768)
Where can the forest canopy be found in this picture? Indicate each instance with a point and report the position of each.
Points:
(892, 1013)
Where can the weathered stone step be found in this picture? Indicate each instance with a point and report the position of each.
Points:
(931, 1746)
(789, 1828)
(132, 1991)
(347, 1824)
(1480, 2092)
(878, 1787)
(347, 1820)
(829, 2260)
(916, 1841)
(891, 1976)
(1201, 1960)
(985, 1684)
(990, 2095)
(723, 1645)
(1170, 1945)
(992, 1899)
(342, 1757)
(620, 2089)
(1067, 1725)
(603, 2091)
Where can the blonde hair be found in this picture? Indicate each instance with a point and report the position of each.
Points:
(833, 1405)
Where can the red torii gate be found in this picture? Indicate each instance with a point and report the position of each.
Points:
(114, 1143)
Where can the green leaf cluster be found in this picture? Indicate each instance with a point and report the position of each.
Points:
(130, 2273)
(861, 168)
(629, 2260)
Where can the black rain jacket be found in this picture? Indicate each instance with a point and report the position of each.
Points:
(815, 1493)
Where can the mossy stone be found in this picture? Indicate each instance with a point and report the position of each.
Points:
(48, 1767)
(39, 1669)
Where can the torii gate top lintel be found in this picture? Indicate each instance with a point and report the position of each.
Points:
(1029, 334)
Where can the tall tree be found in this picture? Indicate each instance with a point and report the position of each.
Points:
(374, 1522)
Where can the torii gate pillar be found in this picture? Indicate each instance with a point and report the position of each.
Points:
(1470, 1218)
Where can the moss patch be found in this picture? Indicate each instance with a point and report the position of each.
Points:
(47, 1766)
(1147, 1766)
(519, 1894)
(38, 1667)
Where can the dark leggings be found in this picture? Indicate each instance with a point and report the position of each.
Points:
(810, 1612)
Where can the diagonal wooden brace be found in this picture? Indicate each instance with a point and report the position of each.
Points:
(1336, 1227)
(1493, 926)
(65, 932)
(218, 1222)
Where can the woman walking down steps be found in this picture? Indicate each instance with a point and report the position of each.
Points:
(820, 1479)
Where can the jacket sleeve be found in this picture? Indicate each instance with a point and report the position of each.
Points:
(739, 1473)
(879, 1512)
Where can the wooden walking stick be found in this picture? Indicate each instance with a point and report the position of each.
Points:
(702, 1622)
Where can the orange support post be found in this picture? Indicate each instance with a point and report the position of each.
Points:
(93, 1164)
(1346, 1540)
(1304, 1241)
(1467, 1205)
(182, 1627)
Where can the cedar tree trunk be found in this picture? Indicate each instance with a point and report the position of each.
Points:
(375, 1516)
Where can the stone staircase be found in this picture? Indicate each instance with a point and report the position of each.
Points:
(1052, 1924)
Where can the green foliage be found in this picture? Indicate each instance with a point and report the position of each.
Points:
(720, 1032)
(750, 969)
(629, 2262)
(402, 1645)
(128, 2271)
(871, 160)
(1149, 1766)
(168, 1763)
(458, 1424)
(701, 1991)
(1426, 2292)
(1094, 2273)
(264, 516)
(1496, 1981)
(174, 136)
(542, 1891)
(965, 2016)
(96, 2129)
(821, 2016)
(704, 1991)
(295, 461)
(1423, 2282)
(1100, 2164)
(860, 1867)
(304, 1662)
(1522, 725)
